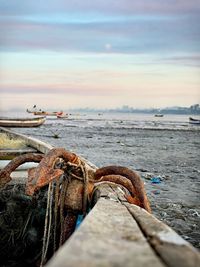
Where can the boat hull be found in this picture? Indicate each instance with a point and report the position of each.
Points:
(44, 113)
(62, 116)
(28, 122)
(194, 121)
(158, 115)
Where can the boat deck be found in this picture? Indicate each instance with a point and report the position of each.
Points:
(31, 143)
(116, 233)
(26, 145)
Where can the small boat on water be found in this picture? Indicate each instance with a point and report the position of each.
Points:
(62, 115)
(45, 113)
(22, 122)
(194, 121)
(158, 115)
(113, 233)
(40, 112)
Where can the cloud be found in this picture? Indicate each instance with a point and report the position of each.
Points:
(125, 26)
(137, 34)
(22, 7)
(183, 60)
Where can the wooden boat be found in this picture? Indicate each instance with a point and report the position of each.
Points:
(22, 122)
(62, 115)
(43, 113)
(194, 121)
(115, 232)
(37, 112)
(158, 115)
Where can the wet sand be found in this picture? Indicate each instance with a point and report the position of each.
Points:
(171, 156)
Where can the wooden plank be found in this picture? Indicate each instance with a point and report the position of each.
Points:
(117, 190)
(11, 153)
(107, 192)
(109, 236)
(172, 248)
(20, 151)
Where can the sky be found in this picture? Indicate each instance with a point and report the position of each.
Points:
(65, 54)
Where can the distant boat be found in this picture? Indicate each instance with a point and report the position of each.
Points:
(40, 112)
(22, 122)
(194, 121)
(158, 115)
(62, 115)
(45, 113)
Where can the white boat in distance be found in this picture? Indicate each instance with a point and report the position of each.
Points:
(22, 122)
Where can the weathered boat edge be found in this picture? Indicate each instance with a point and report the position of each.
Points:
(38, 144)
(172, 248)
(116, 233)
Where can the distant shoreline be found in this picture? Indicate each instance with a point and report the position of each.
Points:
(121, 111)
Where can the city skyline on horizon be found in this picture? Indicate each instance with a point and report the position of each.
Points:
(122, 108)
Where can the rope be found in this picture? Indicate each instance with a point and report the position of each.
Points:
(85, 186)
(46, 225)
(50, 219)
(60, 194)
(55, 215)
(62, 202)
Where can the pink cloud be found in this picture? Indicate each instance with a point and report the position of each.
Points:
(58, 89)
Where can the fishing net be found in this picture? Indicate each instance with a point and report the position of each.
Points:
(21, 226)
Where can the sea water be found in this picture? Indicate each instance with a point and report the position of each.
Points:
(116, 120)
